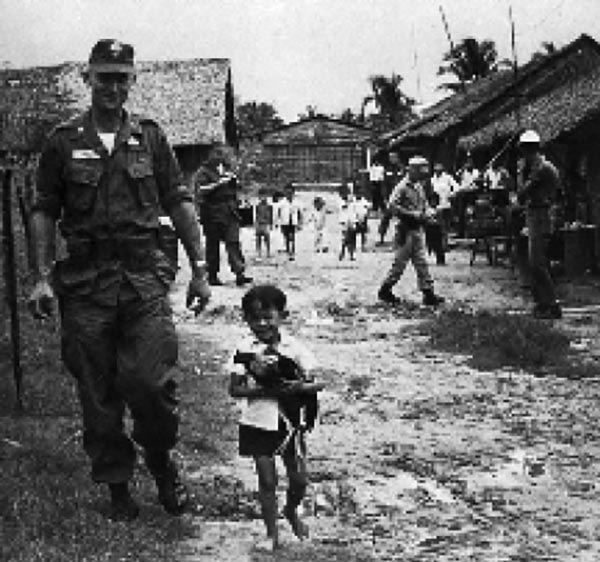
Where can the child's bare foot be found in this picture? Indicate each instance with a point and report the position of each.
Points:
(299, 528)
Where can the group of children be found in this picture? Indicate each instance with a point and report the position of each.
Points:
(286, 213)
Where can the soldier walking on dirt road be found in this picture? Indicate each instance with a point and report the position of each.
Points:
(107, 175)
(409, 203)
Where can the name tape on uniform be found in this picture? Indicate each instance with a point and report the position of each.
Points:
(85, 154)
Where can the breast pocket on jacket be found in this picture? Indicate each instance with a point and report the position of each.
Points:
(141, 172)
(83, 181)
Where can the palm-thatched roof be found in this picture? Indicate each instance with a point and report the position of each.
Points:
(498, 93)
(187, 98)
(552, 115)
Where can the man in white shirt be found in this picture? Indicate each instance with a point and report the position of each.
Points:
(377, 177)
(445, 186)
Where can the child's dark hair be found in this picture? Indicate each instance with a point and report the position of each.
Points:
(263, 297)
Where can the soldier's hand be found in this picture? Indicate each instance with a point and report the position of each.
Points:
(41, 301)
(198, 294)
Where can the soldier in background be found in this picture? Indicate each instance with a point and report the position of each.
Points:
(538, 190)
(409, 203)
(108, 175)
(216, 190)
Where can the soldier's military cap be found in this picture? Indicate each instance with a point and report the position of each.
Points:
(110, 55)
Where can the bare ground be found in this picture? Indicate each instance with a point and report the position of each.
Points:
(418, 455)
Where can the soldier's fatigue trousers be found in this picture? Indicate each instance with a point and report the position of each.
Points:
(539, 228)
(410, 246)
(121, 355)
(216, 232)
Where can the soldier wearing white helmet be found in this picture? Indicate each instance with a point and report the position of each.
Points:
(537, 191)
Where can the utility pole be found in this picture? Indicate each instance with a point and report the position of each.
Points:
(449, 36)
(10, 280)
(515, 64)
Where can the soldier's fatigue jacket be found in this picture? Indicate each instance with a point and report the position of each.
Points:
(109, 206)
(410, 196)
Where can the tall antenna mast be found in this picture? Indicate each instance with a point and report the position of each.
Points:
(515, 65)
(512, 41)
(447, 30)
(416, 63)
(446, 27)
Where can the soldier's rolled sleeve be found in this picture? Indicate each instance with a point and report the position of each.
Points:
(48, 197)
(171, 187)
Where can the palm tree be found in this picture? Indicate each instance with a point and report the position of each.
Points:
(389, 99)
(468, 61)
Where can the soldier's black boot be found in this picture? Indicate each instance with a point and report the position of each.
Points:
(385, 294)
(213, 279)
(242, 279)
(172, 492)
(122, 506)
(431, 299)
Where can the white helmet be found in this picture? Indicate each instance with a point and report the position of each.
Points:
(529, 137)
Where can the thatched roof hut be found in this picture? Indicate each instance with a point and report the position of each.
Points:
(555, 115)
(191, 99)
(437, 131)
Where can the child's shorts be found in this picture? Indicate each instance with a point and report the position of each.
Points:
(257, 442)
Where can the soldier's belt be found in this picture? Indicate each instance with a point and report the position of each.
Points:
(131, 251)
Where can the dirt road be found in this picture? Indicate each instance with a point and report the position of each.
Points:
(417, 456)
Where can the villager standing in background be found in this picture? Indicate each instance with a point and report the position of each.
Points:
(377, 178)
(444, 186)
(409, 203)
(290, 218)
(538, 190)
(216, 191)
(108, 175)
(263, 223)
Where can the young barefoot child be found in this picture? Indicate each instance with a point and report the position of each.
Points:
(319, 218)
(263, 223)
(348, 220)
(271, 370)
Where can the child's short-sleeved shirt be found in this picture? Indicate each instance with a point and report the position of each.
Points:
(263, 214)
(263, 412)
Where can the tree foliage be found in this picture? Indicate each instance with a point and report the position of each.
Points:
(394, 107)
(254, 119)
(469, 61)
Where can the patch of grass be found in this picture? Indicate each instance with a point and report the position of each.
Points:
(496, 339)
(50, 511)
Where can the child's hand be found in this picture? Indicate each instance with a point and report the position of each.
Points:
(261, 365)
